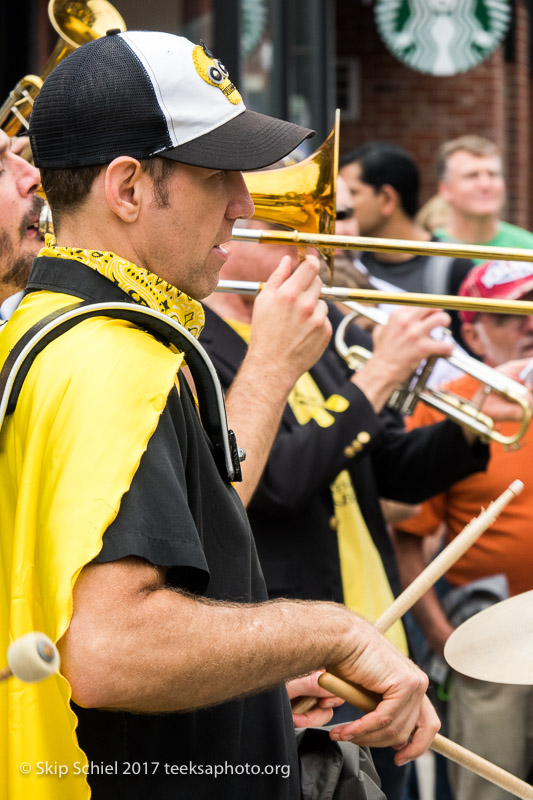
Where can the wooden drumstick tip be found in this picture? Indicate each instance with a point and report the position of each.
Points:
(31, 658)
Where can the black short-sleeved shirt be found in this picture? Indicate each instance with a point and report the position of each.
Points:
(180, 514)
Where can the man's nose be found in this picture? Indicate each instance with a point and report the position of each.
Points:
(486, 179)
(28, 177)
(241, 205)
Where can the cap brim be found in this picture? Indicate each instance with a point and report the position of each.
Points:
(248, 141)
(520, 291)
(516, 294)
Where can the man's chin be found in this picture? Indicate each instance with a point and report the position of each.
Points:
(487, 210)
(18, 272)
(200, 292)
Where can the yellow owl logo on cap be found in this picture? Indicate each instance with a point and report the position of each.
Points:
(213, 71)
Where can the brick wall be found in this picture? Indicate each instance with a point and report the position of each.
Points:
(419, 111)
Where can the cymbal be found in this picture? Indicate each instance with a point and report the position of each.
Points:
(496, 644)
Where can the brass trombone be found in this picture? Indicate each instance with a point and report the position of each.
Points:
(343, 294)
(374, 245)
(302, 197)
(406, 396)
(76, 24)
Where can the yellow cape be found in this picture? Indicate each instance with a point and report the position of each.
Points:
(68, 453)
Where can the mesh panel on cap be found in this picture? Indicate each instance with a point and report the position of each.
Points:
(97, 104)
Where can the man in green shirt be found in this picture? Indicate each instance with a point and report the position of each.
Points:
(472, 183)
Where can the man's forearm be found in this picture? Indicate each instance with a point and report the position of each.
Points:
(254, 407)
(136, 645)
(167, 651)
(290, 330)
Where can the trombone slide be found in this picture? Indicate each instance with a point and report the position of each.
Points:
(375, 245)
(464, 413)
(342, 294)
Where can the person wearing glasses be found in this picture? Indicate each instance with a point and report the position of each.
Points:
(384, 180)
(348, 269)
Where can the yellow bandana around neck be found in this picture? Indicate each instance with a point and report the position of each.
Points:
(138, 283)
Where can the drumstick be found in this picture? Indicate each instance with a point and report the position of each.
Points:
(446, 558)
(31, 658)
(435, 570)
(486, 769)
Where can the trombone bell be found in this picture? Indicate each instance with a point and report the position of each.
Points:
(82, 22)
(301, 196)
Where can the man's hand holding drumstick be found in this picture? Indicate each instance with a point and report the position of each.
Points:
(404, 717)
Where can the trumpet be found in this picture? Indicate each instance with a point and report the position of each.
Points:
(406, 396)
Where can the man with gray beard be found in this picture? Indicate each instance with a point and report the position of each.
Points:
(19, 217)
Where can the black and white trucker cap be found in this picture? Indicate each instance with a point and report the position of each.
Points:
(146, 94)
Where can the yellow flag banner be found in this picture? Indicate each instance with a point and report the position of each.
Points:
(364, 581)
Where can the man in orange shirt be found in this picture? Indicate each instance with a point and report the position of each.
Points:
(494, 720)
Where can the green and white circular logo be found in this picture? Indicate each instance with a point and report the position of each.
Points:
(442, 37)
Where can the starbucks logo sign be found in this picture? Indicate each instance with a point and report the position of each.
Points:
(442, 37)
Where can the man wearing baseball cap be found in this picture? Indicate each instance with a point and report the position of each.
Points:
(122, 536)
(492, 719)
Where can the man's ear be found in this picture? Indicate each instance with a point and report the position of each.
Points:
(389, 199)
(124, 183)
(443, 190)
(471, 337)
